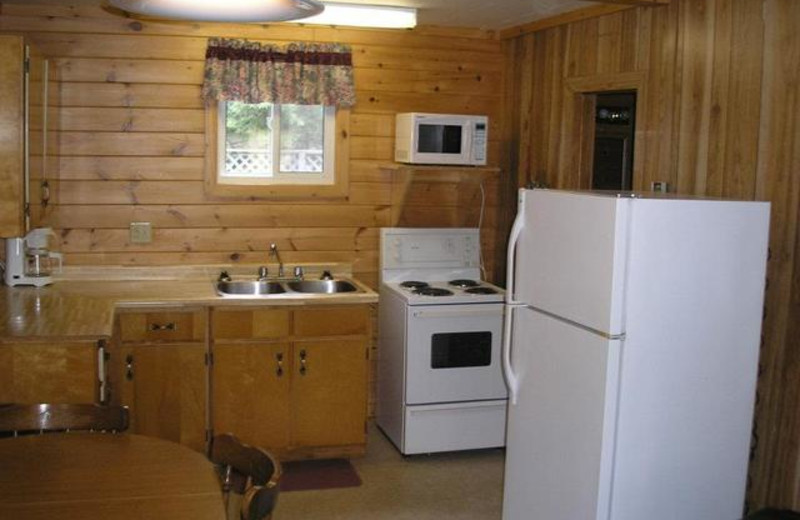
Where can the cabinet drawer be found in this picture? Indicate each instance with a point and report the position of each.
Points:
(162, 326)
(244, 324)
(339, 321)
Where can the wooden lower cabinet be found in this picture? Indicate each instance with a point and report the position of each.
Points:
(165, 387)
(250, 392)
(54, 372)
(297, 395)
(329, 396)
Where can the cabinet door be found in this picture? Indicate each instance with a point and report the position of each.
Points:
(166, 389)
(49, 373)
(329, 392)
(12, 135)
(250, 392)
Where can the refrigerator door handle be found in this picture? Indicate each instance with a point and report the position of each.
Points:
(516, 231)
(508, 370)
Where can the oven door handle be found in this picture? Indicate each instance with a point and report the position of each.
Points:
(496, 310)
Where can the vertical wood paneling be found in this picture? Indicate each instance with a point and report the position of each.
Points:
(695, 96)
(775, 470)
(720, 107)
(131, 136)
(720, 117)
(745, 91)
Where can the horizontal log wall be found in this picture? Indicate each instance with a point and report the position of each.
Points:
(720, 107)
(131, 138)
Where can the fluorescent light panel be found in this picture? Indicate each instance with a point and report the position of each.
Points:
(360, 15)
(222, 10)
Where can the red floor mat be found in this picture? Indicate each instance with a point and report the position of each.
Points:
(305, 475)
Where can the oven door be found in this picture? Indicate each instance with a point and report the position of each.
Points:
(454, 354)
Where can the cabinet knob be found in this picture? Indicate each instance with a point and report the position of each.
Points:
(164, 326)
(129, 367)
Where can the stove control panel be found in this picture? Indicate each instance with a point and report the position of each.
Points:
(413, 248)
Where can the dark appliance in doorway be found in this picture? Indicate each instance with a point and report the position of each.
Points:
(615, 117)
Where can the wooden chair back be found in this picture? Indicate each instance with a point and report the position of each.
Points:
(250, 473)
(39, 418)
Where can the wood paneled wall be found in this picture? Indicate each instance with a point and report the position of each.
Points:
(719, 115)
(131, 137)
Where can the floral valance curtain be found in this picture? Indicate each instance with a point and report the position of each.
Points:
(300, 73)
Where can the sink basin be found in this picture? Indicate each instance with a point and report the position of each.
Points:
(322, 286)
(248, 288)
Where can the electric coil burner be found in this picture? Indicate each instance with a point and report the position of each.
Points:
(440, 383)
(480, 290)
(413, 284)
(464, 283)
(433, 291)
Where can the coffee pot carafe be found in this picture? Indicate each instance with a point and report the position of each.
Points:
(29, 260)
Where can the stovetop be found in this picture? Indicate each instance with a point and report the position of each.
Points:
(438, 266)
(446, 292)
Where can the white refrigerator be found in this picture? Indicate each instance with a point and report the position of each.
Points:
(631, 349)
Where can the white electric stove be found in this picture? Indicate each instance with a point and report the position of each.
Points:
(440, 384)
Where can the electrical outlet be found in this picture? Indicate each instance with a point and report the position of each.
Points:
(659, 186)
(141, 233)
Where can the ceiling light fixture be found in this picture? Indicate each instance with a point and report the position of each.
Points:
(223, 11)
(360, 15)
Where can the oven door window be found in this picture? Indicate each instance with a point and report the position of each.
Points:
(461, 349)
(440, 139)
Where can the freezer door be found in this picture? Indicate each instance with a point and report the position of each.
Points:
(560, 433)
(570, 257)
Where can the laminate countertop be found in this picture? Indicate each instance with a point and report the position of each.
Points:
(83, 307)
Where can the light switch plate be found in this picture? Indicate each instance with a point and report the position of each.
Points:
(141, 233)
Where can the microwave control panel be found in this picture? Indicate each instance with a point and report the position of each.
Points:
(479, 143)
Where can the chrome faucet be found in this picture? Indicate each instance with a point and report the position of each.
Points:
(273, 251)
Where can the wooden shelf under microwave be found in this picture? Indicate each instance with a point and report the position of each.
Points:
(438, 196)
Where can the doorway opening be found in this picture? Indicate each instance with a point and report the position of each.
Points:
(614, 129)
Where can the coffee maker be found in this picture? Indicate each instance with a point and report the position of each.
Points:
(29, 260)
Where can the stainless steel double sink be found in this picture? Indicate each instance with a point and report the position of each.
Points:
(267, 288)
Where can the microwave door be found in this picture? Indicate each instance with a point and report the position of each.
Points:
(441, 138)
(442, 141)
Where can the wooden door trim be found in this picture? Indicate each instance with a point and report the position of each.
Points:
(581, 128)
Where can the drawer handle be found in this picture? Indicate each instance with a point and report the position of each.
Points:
(129, 367)
(165, 326)
(303, 367)
(279, 358)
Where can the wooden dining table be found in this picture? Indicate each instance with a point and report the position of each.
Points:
(105, 475)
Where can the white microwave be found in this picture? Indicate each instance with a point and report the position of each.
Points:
(440, 139)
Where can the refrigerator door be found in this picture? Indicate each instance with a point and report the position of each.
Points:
(571, 256)
(560, 436)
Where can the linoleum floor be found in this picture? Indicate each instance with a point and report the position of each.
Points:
(451, 486)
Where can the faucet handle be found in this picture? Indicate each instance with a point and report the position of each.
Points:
(262, 273)
(326, 275)
(298, 272)
(224, 276)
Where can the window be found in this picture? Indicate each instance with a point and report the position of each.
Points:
(274, 150)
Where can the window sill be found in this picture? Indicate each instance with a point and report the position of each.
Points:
(276, 191)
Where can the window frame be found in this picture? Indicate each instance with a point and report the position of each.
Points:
(338, 188)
